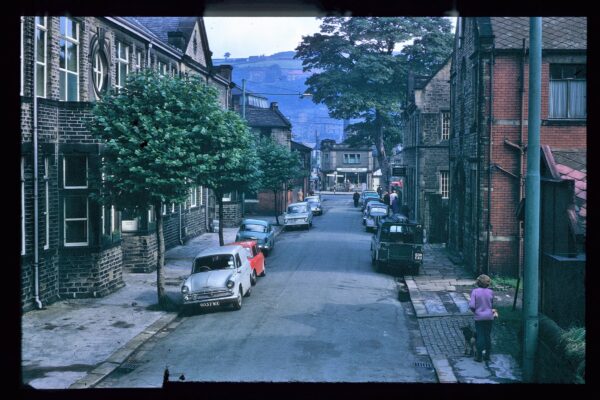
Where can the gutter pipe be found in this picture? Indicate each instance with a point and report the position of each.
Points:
(36, 228)
(489, 197)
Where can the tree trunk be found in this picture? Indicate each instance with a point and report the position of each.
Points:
(275, 206)
(220, 202)
(381, 156)
(160, 259)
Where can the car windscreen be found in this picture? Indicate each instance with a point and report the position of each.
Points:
(213, 262)
(296, 209)
(375, 211)
(400, 234)
(253, 228)
(309, 199)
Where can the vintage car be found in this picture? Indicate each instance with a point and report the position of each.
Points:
(365, 194)
(373, 215)
(369, 199)
(398, 244)
(259, 230)
(256, 258)
(298, 214)
(315, 205)
(220, 276)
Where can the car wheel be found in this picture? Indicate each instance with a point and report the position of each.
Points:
(238, 301)
(264, 272)
(249, 292)
(253, 277)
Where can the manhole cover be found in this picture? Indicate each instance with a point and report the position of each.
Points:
(422, 364)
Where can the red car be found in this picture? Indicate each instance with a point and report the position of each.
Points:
(256, 258)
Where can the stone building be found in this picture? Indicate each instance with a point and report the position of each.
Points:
(346, 167)
(424, 154)
(488, 135)
(76, 247)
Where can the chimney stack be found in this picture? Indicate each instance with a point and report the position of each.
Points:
(274, 105)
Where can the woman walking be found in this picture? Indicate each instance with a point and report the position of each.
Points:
(481, 303)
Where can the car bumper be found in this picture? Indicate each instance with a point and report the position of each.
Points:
(205, 301)
(296, 223)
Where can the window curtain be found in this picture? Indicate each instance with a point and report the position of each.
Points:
(577, 99)
(558, 99)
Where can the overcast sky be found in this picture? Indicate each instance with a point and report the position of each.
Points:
(254, 36)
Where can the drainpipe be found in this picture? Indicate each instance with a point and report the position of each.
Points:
(477, 157)
(417, 125)
(180, 238)
(532, 205)
(36, 228)
(489, 199)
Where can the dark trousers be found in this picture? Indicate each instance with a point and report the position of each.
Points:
(484, 337)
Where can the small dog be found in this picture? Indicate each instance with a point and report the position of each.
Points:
(470, 340)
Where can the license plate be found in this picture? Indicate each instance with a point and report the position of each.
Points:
(210, 304)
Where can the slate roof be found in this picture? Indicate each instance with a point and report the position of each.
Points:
(560, 33)
(266, 118)
(571, 164)
(161, 26)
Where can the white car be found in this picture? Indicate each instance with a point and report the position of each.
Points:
(298, 214)
(220, 276)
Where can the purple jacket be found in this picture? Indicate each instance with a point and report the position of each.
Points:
(481, 303)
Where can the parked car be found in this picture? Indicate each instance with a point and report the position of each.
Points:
(315, 205)
(220, 276)
(256, 258)
(373, 214)
(298, 214)
(398, 243)
(367, 193)
(371, 203)
(261, 231)
(369, 199)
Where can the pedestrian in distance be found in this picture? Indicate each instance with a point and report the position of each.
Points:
(379, 190)
(386, 198)
(300, 195)
(355, 197)
(481, 304)
(393, 195)
(396, 205)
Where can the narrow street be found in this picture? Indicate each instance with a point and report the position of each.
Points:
(320, 315)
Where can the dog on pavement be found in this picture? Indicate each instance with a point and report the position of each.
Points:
(470, 340)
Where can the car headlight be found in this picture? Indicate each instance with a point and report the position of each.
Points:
(418, 256)
(230, 284)
(185, 289)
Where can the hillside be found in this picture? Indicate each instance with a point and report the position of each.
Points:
(280, 78)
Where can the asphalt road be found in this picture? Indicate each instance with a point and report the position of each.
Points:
(320, 315)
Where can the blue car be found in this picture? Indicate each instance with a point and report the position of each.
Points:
(259, 230)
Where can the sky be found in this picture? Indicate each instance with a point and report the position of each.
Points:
(255, 36)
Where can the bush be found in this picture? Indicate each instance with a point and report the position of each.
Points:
(500, 282)
(573, 342)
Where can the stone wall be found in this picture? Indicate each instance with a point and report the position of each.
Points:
(140, 252)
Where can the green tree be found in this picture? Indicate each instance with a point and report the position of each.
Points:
(279, 166)
(151, 130)
(357, 74)
(234, 165)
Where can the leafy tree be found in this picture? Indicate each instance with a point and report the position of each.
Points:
(357, 74)
(234, 165)
(227, 55)
(279, 166)
(152, 129)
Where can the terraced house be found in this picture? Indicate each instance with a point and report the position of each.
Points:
(70, 245)
(488, 137)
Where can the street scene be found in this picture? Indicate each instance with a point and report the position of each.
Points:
(205, 202)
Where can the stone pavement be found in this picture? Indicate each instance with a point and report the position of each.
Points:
(441, 312)
(75, 343)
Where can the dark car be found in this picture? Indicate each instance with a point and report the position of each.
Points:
(259, 230)
(398, 244)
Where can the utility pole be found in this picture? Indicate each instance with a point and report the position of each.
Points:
(244, 98)
(532, 204)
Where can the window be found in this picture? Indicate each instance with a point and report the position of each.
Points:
(22, 205)
(41, 32)
(47, 201)
(567, 91)
(76, 220)
(201, 195)
(227, 196)
(351, 158)
(444, 188)
(99, 71)
(69, 60)
(75, 172)
(445, 125)
(164, 209)
(151, 216)
(138, 60)
(114, 221)
(122, 64)
(459, 28)
(193, 197)
(172, 207)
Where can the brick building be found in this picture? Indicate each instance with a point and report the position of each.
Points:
(345, 167)
(488, 136)
(76, 247)
(424, 155)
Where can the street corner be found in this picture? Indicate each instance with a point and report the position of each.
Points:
(501, 368)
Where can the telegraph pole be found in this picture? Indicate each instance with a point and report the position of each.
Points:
(532, 204)
(244, 99)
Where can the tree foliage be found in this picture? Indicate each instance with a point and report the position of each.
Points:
(279, 166)
(357, 74)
